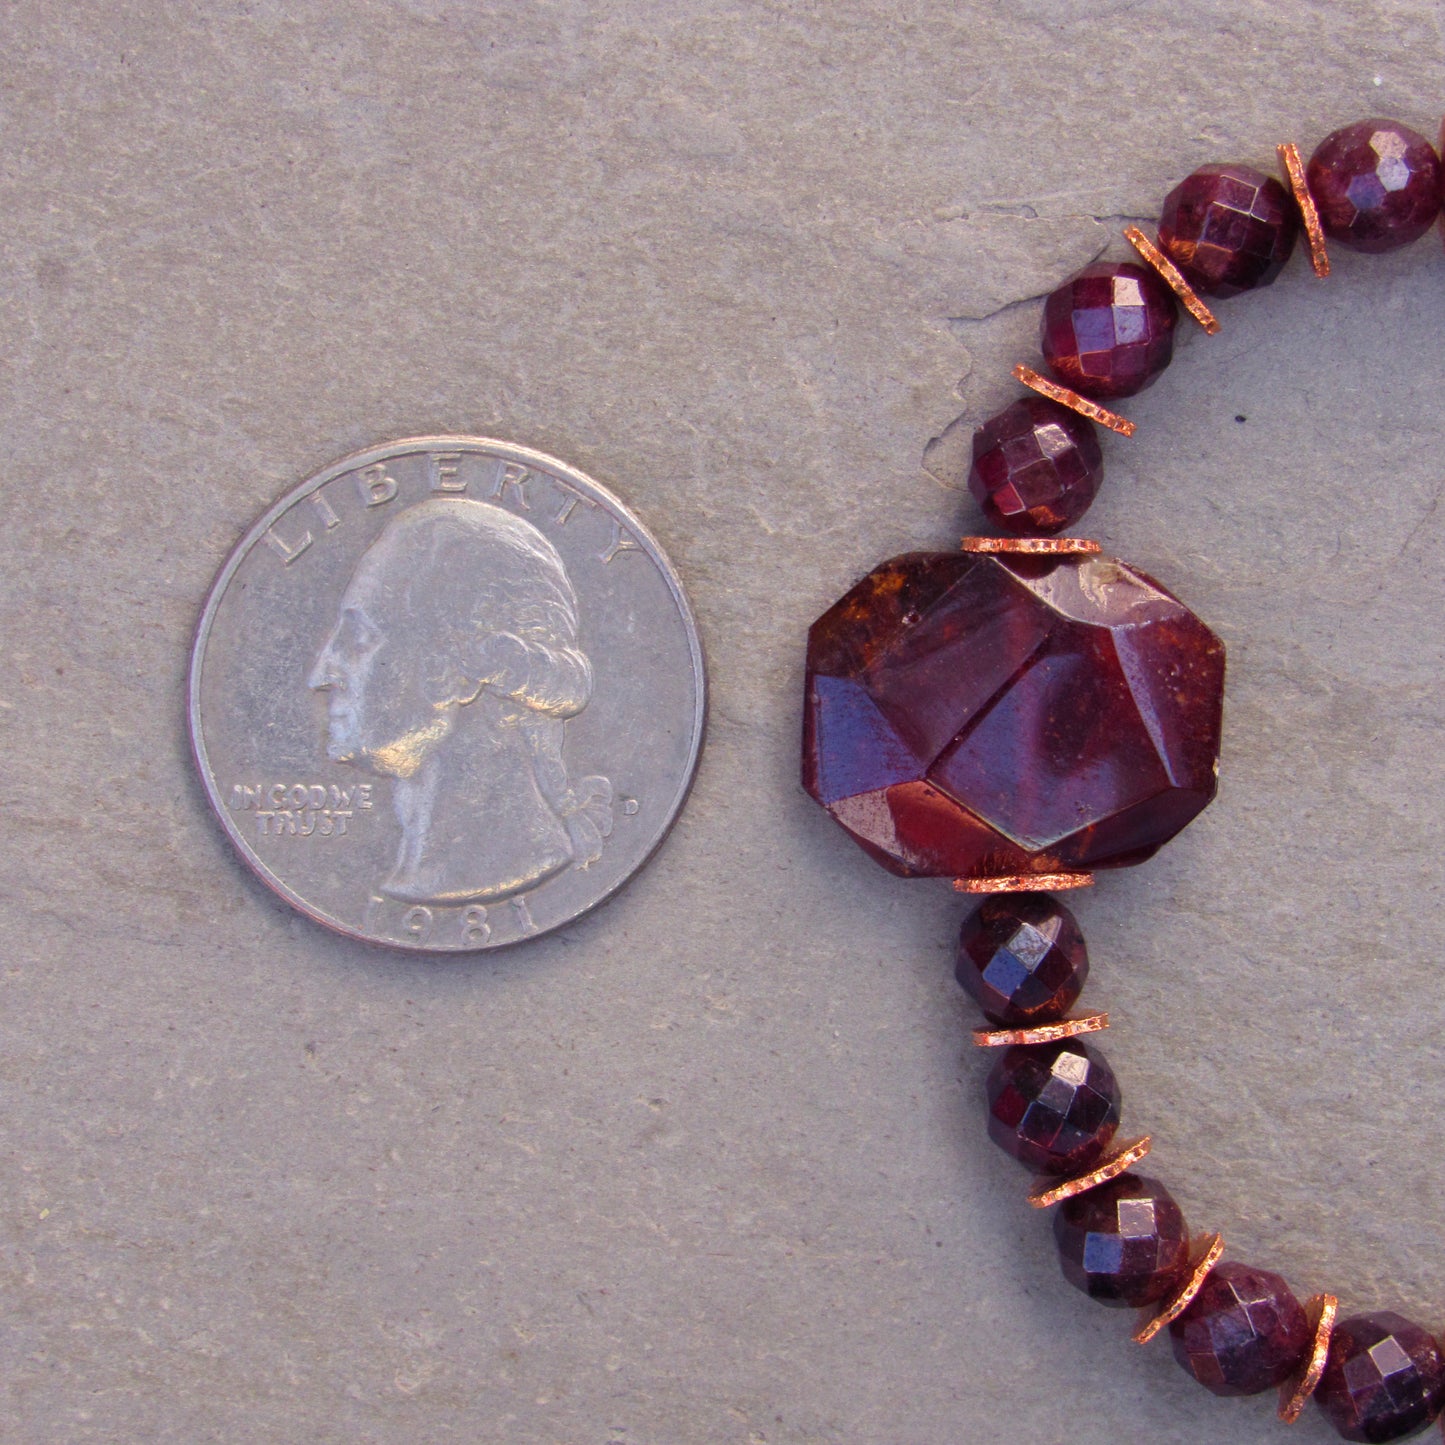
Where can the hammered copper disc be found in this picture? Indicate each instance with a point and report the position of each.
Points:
(1048, 1192)
(1173, 277)
(1294, 170)
(1089, 1023)
(1038, 546)
(1025, 883)
(1207, 1251)
(1073, 400)
(1294, 1394)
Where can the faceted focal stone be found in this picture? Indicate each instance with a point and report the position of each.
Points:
(1376, 184)
(1243, 1332)
(1109, 330)
(1228, 228)
(1036, 466)
(1054, 1107)
(1022, 958)
(1384, 1378)
(975, 715)
(1123, 1243)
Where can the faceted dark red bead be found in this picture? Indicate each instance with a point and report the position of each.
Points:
(1022, 957)
(1109, 330)
(1384, 1378)
(1123, 1243)
(1036, 466)
(1376, 184)
(1228, 228)
(976, 715)
(1243, 1332)
(1054, 1107)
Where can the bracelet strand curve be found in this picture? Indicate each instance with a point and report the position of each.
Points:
(1024, 712)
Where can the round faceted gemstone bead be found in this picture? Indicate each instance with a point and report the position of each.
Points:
(1376, 184)
(1244, 1331)
(1036, 466)
(1228, 228)
(1109, 330)
(974, 715)
(1384, 1378)
(1124, 1242)
(1022, 958)
(1054, 1107)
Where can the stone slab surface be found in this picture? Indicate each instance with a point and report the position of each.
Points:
(710, 1165)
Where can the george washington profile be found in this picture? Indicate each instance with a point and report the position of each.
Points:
(452, 669)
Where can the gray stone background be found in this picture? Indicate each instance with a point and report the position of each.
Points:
(709, 1166)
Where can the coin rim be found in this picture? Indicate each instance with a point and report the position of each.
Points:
(527, 456)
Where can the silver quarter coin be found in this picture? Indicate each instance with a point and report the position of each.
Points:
(447, 695)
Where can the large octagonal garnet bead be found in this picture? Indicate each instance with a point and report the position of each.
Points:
(974, 715)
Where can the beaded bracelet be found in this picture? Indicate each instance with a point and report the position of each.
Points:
(1025, 711)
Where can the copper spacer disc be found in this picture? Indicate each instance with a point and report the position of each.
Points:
(1295, 1393)
(1047, 1192)
(1089, 1023)
(1173, 278)
(1025, 883)
(1034, 546)
(1073, 400)
(1207, 1252)
(1309, 213)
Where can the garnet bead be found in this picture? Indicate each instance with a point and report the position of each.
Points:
(1384, 1378)
(1243, 1332)
(1228, 229)
(973, 715)
(1054, 1107)
(1376, 184)
(1022, 958)
(1123, 1243)
(1109, 330)
(1036, 466)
